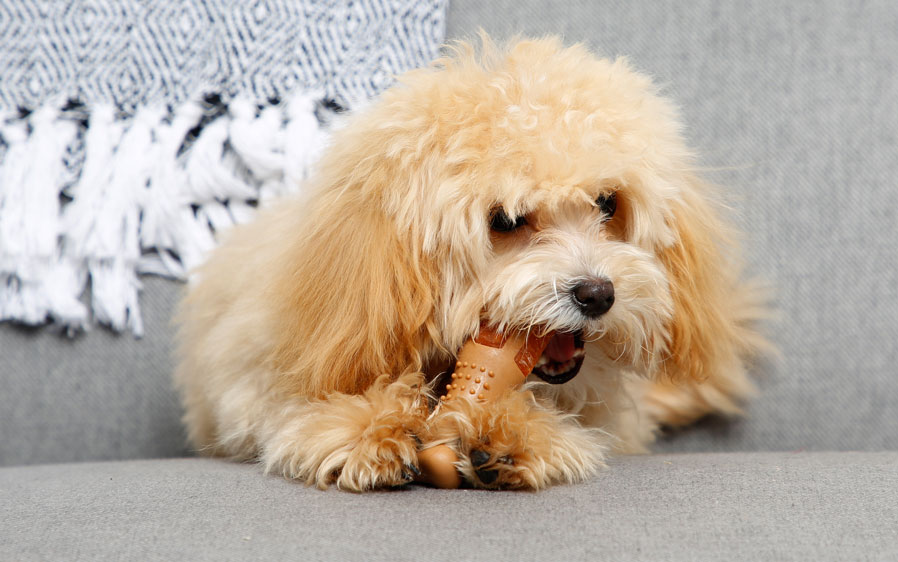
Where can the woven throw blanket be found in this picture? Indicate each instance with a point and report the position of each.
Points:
(133, 132)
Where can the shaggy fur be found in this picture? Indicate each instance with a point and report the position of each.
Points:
(314, 336)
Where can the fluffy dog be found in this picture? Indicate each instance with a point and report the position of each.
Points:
(528, 186)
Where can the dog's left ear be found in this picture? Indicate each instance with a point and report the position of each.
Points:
(702, 268)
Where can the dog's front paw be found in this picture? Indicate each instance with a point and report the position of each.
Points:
(385, 457)
(515, 443)
(358, 442)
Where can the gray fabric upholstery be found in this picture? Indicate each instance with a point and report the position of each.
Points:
(757, 507)
(791, 103)
(100, 396)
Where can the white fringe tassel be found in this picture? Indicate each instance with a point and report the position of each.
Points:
(145, 200)
(33, 270)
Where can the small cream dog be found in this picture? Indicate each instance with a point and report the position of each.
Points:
(530, 186)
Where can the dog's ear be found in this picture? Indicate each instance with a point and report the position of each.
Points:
(356, 299)
(702, 268)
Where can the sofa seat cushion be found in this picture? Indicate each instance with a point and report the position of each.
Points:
(749, 506)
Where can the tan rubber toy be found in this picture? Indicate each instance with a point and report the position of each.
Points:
(487, 366)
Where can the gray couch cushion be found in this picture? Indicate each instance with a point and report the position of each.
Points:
(763, 506)
(100, 396)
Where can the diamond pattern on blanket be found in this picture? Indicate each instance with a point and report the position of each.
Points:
(133, 52)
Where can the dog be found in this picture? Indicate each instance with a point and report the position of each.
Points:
(529, 185)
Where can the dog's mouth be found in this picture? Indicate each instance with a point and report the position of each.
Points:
(562, 358)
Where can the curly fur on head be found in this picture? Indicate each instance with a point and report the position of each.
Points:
(397, 258)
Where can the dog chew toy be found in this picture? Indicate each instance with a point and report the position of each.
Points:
(487, 366)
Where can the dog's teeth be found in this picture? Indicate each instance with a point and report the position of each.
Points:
(552, 368)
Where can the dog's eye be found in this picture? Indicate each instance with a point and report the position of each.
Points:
(501, 222)
(607, 204)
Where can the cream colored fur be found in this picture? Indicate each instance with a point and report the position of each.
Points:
(313, 335)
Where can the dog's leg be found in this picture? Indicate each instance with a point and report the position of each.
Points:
(517, 442)
(634, 416)
(676, 404)
(725, 385)
(359, 442)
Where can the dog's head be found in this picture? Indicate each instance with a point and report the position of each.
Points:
(533, 187)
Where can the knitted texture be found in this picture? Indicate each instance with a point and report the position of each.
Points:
(133, 132)
(139, 52)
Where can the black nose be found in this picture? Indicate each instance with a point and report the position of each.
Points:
(594, 297)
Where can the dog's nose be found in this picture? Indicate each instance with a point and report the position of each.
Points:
(594, 297)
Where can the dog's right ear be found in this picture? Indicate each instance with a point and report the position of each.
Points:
(356, 299)
(712, 329)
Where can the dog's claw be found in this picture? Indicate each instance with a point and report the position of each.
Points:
(479, 457)
(414, 470)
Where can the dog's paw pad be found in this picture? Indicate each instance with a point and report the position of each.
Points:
(490, 470)
(479, 457)
(487, 476)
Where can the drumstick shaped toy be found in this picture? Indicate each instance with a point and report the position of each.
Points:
(487, 366)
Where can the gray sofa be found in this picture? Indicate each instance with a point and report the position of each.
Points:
(793, 107)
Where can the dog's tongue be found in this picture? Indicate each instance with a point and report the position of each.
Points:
(561, 348)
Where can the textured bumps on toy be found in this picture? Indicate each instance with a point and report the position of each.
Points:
(487, 366)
